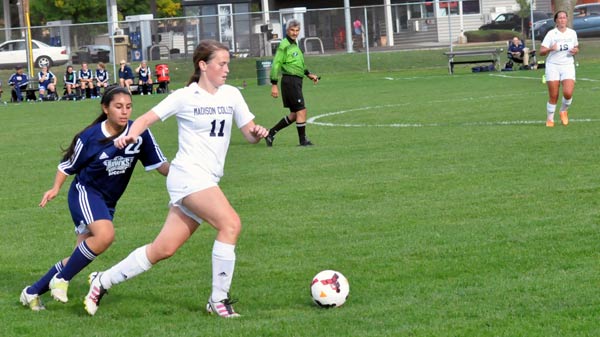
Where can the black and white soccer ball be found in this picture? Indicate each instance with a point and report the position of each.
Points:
(329, 289)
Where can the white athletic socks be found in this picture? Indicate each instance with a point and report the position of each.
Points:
(550, 108)
(566, 103)
(136, 263)
(223, 264)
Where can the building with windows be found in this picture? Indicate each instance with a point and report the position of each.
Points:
(245, 23)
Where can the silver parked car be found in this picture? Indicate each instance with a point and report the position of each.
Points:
(91, 53)
(586, 22)
(12, 53)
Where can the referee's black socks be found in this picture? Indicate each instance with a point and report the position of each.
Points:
(301, 132)
(282, 124)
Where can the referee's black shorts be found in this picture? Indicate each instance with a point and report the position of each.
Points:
(291, 93)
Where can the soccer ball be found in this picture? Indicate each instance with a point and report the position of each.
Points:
(329, 289)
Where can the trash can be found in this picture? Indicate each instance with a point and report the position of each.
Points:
(263, 72)
(121, 46)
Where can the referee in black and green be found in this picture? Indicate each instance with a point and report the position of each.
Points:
(290, 62)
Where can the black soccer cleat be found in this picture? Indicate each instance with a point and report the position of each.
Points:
(269, 140)
(306, 143)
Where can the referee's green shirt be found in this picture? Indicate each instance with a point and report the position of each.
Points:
(289, 60)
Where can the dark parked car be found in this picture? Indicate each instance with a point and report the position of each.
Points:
(512, 21)
(92, 53)
(586, 22)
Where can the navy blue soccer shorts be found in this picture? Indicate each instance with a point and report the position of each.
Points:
(87, 205)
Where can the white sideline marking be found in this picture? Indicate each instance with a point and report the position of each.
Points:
(588, 79)
(519, 77)
(313, 120)
(540, 78)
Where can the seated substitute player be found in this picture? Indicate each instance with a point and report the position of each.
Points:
(86, 81)
(70, 79)
(145, 79)
(125, 75)
(101, 78)
(19, 81)
(517, 52)
(102, 173)
(47, 84)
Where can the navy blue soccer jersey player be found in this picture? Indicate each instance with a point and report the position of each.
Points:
(145, 78)
(101, 78)
(101, 174)
(86, 80)
(47, 82)
(125, 75)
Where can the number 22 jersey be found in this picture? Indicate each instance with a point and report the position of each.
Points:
(98, 164)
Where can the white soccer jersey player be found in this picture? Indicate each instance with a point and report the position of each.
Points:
(204, 121)
(565, 41)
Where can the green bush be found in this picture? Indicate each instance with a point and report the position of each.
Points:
(491, 35)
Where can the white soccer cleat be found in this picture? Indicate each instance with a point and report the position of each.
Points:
(34, 302)
(91, 301)
(222, 308)
(58, 289)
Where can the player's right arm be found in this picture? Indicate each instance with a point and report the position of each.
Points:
(137, 128)
(278, 61)
(547, 45)
(275, 68)
(59, 180)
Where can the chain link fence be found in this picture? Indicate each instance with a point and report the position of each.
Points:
(425, 24)
(257, 34)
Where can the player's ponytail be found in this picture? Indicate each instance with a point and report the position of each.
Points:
(68, 152)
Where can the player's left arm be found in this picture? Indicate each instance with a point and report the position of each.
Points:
(313, 77)
(254, 132)
(575, 48)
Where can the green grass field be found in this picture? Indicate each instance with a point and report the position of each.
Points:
(446, 202)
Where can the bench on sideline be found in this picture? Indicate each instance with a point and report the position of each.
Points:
(493, 56)
(164, 88)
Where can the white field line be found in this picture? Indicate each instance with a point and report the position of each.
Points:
(502, 75)
(540, 78)
(314, 119)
